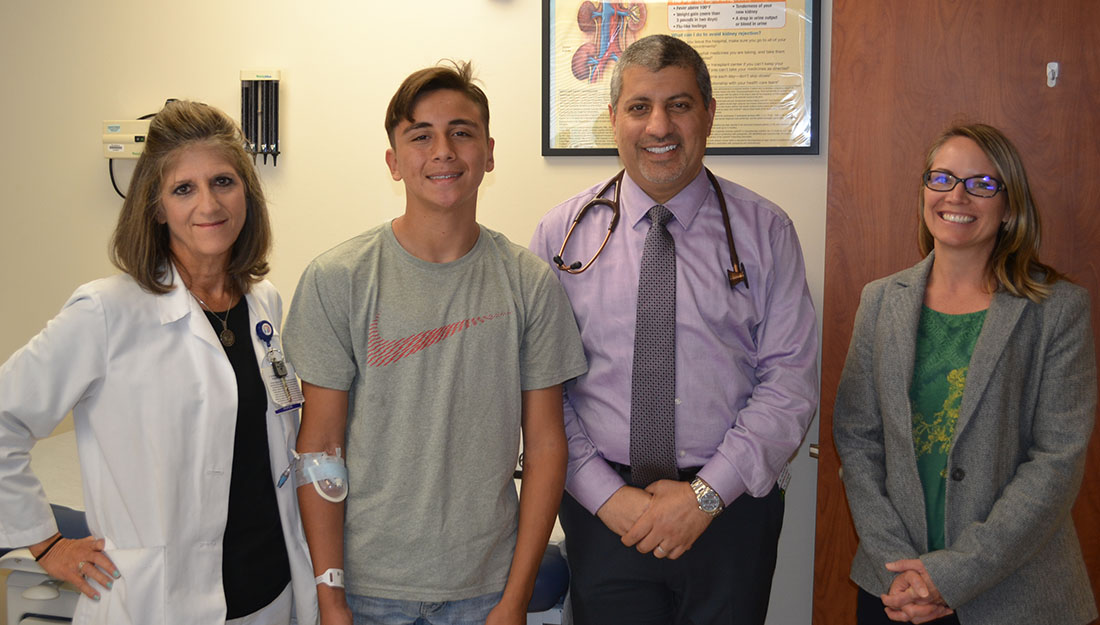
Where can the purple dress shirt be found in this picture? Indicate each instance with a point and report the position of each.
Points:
(746, 359)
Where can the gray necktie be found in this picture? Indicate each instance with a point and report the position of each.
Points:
(653, 386)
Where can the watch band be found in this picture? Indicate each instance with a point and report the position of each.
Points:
(709, 501)
(331, 577)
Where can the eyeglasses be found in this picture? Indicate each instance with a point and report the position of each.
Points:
(978, 186)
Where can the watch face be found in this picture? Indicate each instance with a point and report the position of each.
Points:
(709, 501)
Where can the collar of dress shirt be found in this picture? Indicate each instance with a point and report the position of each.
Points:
(684, 206)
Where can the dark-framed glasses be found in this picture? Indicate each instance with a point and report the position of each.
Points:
(978, 186)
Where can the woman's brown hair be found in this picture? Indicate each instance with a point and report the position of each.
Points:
(140, 244)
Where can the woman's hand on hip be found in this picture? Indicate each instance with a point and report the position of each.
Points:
(79, 560)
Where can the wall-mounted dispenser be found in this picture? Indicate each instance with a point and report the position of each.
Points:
(260, 112)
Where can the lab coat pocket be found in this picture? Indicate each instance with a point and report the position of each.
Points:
(136, 598)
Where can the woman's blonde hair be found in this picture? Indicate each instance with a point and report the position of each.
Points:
(1014, 264)
(140, 243)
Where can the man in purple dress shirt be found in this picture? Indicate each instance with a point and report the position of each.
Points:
(700, 548)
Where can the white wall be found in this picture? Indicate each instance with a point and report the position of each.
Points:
(69, 65)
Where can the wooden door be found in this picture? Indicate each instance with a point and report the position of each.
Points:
(901, 73)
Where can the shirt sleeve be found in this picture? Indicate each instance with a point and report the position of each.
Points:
(769, 429)
(589, 479)
(860, 442)
(317, 333)
(551, 352)
(39, 385)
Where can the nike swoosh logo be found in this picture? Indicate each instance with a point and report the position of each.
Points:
(382, 352)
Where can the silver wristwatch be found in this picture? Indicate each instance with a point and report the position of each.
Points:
(709, 501)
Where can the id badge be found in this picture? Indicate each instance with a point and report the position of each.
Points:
(281, 382)
(278, 374)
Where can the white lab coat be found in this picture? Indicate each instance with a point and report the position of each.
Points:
(154, 402)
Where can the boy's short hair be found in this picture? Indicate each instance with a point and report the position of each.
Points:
(457, 76)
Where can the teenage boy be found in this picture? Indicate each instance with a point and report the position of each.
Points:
(425, 346)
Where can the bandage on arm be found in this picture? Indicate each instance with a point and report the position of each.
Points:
(326, 471)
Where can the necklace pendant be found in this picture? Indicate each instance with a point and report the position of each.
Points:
(227, 337)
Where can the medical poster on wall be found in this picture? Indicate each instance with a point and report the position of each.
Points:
(763, 59)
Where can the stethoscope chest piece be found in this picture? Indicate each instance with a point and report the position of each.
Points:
(737, 277)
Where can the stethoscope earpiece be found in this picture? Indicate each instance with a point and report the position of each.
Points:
(576, 267)
(561, 264)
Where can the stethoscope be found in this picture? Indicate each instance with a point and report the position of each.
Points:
(735, 275)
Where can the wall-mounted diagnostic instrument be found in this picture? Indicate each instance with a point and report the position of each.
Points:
(124, 138)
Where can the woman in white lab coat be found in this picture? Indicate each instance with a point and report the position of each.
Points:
(165, 370)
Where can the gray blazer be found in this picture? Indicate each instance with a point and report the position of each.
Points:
(1014, 468)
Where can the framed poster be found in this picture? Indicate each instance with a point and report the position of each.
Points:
(763, 57)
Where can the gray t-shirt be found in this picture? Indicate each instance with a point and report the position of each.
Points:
(434, 357)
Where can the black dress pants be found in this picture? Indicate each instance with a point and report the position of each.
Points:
(724, 579)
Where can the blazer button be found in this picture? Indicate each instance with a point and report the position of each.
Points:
(958, 475)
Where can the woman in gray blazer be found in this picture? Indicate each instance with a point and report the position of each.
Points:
(965, 408)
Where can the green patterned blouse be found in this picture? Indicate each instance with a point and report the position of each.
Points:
(944, 346)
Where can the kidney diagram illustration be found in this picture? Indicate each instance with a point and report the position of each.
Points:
(611, 27)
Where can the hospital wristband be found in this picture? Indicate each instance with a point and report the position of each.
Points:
(331, 577)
